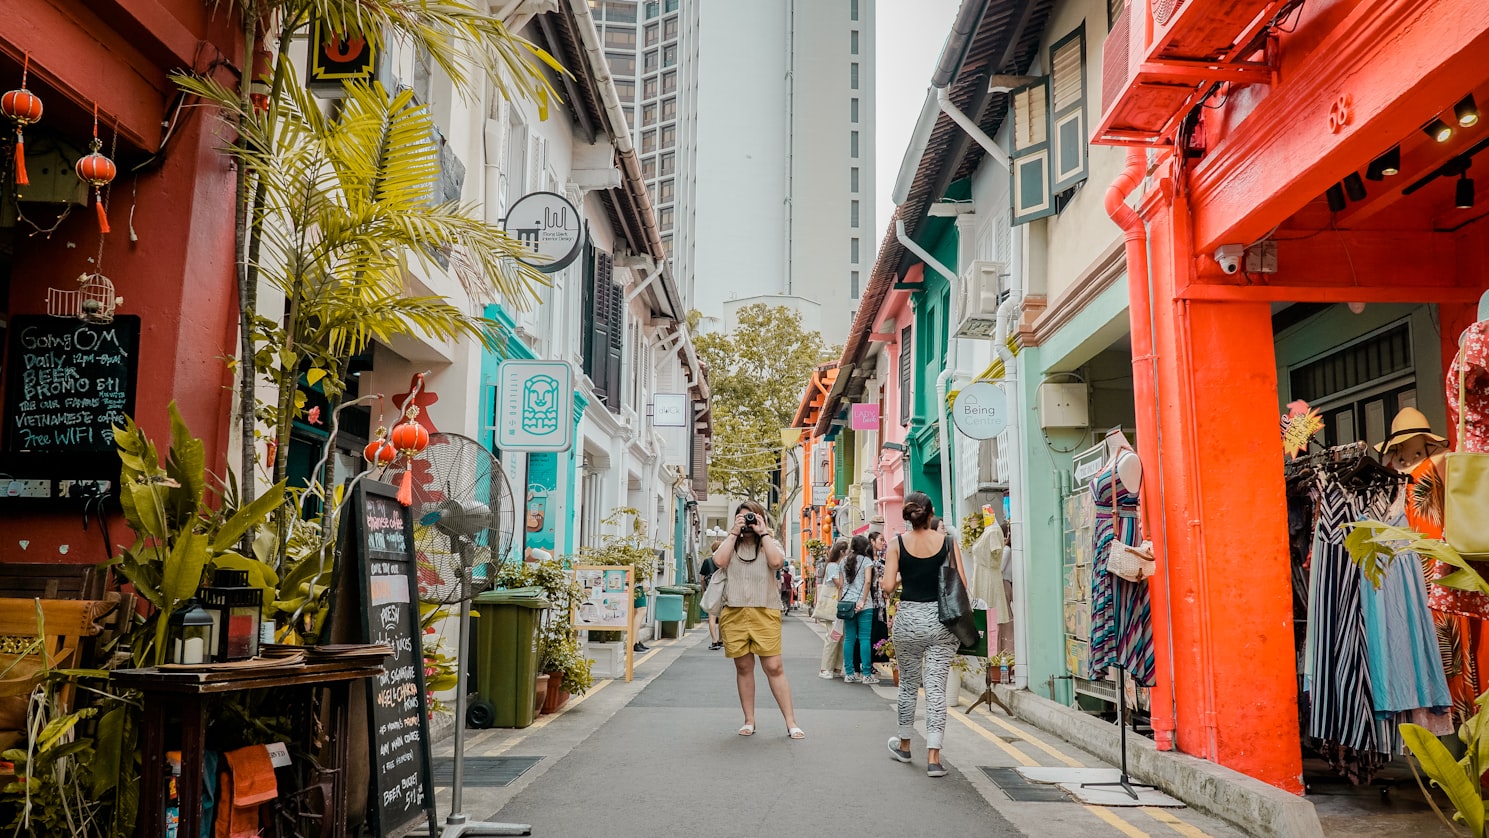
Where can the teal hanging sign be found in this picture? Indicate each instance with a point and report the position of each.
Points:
(535, 406)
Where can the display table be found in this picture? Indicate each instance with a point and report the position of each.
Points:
(186, 692)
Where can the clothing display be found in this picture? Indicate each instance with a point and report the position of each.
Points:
(1474, 359)
(1115, 602)
(1406, 666)
(985, 573)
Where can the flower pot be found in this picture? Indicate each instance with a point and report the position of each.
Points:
(540, 694)
(896, 671)
(556, 696)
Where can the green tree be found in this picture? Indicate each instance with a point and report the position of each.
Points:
(756, 372)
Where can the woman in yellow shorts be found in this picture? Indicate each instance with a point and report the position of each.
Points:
(751, 620)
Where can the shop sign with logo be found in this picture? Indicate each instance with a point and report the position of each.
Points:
(535, 406)
(980, 410)
(341, 58)
(670, 410)
(548, 228)
(864, 417)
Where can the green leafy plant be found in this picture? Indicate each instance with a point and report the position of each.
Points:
(625, 545)
(558, 643)
(558, 651)
(972, 529)
(1373, 545)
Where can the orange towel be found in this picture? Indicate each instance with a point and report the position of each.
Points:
(247, 783)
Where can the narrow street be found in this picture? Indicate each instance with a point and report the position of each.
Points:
(660, 756)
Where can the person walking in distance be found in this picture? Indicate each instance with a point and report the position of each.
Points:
(706, 572)
(923, 647)
(828, 591)
(750, 622)
(858, 571)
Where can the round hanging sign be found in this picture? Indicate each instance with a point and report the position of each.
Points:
(980, 410)
(548, 227)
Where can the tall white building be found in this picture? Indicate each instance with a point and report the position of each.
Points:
(754, 124)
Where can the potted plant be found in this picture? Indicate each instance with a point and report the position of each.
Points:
(885, 647)
(568, 670)
(999, 665)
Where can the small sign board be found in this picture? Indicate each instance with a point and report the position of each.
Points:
(1087, 464)
(535, 406)
(337, 58)
(980, 410)
(865, 417)
(379, 553)
(548, 226)
(606, 603)
(670, 410)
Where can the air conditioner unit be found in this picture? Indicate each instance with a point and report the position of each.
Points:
(977, 299)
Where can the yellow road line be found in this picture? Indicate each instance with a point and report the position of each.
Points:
(572, 703)
(1036, 742)
(1175, 823)
(1117, 823)
(1018, 756)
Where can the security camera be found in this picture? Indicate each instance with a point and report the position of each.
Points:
(1229, 257)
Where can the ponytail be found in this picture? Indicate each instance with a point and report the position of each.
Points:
(918, 510)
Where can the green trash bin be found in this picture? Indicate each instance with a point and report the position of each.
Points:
(695, 604)
(688, 599)
(669, 613)
(507, 657)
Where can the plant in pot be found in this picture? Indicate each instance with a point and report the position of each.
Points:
(568, 670)
(1000, 664)
(885, 647)
(624, 543)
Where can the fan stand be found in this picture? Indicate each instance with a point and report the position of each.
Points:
(456, 824)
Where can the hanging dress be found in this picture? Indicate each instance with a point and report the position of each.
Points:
(1115, 601)
(1406, 666)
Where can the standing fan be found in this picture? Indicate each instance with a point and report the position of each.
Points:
(464, 525)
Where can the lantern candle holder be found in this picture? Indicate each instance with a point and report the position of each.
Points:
(236, 610)
(191, 632)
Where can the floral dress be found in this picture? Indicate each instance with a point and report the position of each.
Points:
(1115, 601)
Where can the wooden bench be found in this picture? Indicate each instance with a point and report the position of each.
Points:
(63, 627)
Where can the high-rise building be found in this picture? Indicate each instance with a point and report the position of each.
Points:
(755, 126)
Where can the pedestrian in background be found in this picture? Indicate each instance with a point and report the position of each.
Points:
(858, 570)
(826, 608)
(750, 622)
(787, 589)
(638, 619)
(706, 574)
(923, 646)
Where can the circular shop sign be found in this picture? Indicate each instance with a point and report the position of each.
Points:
(548, 227)
(980, 410)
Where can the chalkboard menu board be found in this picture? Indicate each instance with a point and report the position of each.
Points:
(67, 383)
(381, 555)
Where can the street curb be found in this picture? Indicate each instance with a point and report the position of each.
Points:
(1245, 802)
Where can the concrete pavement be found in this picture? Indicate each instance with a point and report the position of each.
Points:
(660, 756)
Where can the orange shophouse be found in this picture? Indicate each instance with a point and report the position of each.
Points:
(816, 465)
(1302, 223)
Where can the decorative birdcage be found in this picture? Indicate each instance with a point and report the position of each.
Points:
(93, 300)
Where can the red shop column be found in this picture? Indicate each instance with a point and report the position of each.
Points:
(1224, 518)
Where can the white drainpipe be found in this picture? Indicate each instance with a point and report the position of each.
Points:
(942, 427)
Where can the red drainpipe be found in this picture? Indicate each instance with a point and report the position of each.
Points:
(1145, 393)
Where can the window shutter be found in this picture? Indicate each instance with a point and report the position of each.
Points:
(604, 331)
(587, 330)
(1031, 152)
(906, 369)
(700, 466)
(1068, 111)
(615, 352)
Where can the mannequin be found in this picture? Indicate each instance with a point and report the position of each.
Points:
(1121, 630)
(1129, 467)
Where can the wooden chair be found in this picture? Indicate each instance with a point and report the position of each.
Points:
(63, 627)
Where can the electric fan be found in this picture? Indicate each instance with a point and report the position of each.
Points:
(464, 524)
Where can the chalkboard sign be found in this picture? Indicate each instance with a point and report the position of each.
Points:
(380, 553)
(67, 383)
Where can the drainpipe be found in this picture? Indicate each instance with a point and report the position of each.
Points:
(1145, 393)
(942, 380)
(1010, 311)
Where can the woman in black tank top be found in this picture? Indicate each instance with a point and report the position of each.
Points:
(923, 647)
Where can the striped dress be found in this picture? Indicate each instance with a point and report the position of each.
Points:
(1115, 601)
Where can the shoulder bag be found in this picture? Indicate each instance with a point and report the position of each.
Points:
(713, 595)
(953, 603)
(1466, 487)
(1135, 564)
(826, 609)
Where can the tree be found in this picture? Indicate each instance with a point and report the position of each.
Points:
(756, 373)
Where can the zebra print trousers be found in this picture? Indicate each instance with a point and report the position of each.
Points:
(923, 649)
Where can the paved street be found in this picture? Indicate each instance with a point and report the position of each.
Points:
(660, 756)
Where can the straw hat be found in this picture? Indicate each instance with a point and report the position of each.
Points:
(1410, 422)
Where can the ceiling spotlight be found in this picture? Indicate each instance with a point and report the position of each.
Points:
(1438, 130)
(1464, 194)
(1386, 165)
(1335, 196)
(1467, 111)
(1354, 187)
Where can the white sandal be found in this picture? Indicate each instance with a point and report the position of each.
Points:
(747, 730)
(796, 733)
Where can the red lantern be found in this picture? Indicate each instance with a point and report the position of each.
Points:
(263, 72)
(24, 107)
(97, 171)
(380, 452)
(409, 437)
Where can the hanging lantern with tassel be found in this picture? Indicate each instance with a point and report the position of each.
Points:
(24, 108)
(97, 171)
(380, 452)
(409, 437)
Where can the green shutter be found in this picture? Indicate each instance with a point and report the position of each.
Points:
(1031, 152)
(1068, 127)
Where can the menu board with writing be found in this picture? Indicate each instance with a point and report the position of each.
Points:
(381, 553)
(67, 383)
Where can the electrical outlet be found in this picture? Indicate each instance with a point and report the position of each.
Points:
(28, 489)
(83, 489)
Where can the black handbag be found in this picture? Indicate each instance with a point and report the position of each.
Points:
(954, 604)
(846, 610)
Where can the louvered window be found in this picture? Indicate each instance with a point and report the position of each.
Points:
(604, 339)
(906, 372)
(1031, 152)
(1068, 111)
(700, 466)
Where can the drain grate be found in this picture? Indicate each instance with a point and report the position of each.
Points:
(487, 772)
(1013, 784)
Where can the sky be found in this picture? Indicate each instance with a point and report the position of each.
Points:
(910, 34)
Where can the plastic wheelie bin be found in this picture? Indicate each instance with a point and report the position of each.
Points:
(695, 604)
(506, 634)
(669, 613)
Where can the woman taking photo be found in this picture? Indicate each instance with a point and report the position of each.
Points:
(751, 620)
(858, 571)
(826, 610)
(923, 647)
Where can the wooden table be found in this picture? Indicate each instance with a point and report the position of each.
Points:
(186, 690)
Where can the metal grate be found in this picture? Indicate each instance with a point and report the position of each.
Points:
(487, 772)
(1013, 784)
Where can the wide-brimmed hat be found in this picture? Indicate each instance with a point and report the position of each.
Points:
(1409, 423)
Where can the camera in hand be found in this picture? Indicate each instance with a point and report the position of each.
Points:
(750, 519)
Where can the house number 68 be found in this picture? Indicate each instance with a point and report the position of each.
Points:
(1339, 114)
